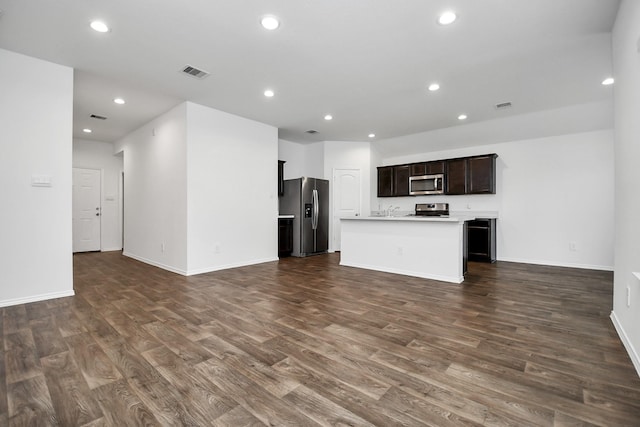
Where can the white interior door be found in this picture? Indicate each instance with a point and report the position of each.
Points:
(346, 199)
(86, 210)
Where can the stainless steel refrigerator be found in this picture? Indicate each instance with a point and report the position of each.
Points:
(308, 200)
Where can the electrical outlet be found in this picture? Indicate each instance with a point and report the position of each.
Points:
(162, 247)
(628, 296)
(400, 250)
(572, 246)
(216, 248)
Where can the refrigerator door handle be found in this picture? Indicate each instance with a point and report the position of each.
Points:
(314, 219)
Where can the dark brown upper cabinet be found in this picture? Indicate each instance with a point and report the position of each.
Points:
(482, 174)
(472, 175)
(385, 181)
(401, 180)
(456, 176)
(281, 177)
(427, 168)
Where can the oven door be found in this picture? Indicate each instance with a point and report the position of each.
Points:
(426, 184)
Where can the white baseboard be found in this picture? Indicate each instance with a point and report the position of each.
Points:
(558, 264)
(155, 264)
(226, 266)
(110, 249)
(198, 270)
(633, 354)
(36, 298)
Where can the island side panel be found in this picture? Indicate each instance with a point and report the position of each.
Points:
(427, 249)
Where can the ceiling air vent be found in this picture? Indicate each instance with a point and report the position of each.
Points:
(194, 72)
(311, 131)
(95, 116)
(503, 105)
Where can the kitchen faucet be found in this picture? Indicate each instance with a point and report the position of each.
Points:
(391, 209)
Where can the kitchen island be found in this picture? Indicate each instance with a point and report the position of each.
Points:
(428, 247)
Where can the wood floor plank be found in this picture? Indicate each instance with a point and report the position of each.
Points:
(122, 407)
(96, 368)
(196, 389)
(70, 395)
(322, 410)
(256, 400)
(47, 336)
(155, 392)
(304, 341)
(30, 403)
(21, 356)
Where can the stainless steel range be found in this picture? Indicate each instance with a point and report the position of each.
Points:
(432, 209)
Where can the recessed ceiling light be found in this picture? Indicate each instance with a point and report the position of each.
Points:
(434, 86)
(328, 117)
(447, 18)
(269, 93)
(372, 135)
(99, 26)
(462, 117)
(270, 22)
(86, 130)
(119, 101)
(608, 81)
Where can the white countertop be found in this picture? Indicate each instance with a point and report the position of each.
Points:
(454, 216)
(405, 218)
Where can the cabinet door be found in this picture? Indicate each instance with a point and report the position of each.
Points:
(481, 175)
(385, 181)
(401, 180)
(418, 169)
(285, 237)
(433, 168)
(456, 176)
(281, 177)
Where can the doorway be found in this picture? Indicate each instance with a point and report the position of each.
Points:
(87, 212)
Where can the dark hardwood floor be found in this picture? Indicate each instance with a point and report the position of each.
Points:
(306, 342)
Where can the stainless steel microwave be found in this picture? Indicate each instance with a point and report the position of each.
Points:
(426, 184)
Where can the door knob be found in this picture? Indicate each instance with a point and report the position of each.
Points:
(97, 213)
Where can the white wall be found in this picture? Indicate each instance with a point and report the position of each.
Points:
(550, 192)
(36, 113)
(560, 121)
(626, 66)
(155, 191)
(99, 155)
(302, 159)
(232, 190)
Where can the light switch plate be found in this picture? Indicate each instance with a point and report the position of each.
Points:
(41, 180)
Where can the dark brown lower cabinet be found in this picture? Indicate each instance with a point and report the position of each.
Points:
(481, 240)
(285, 237)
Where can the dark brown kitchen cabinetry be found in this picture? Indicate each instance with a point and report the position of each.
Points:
(481, 244)
(471, 175)
(285, 237)
(385, 181)
(401, 176)
(481, 174)
(456, 176)
(427, 168)
(393, 180)
(281, 177)
(465, 175)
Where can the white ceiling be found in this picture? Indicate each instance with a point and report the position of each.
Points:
(366, 62)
